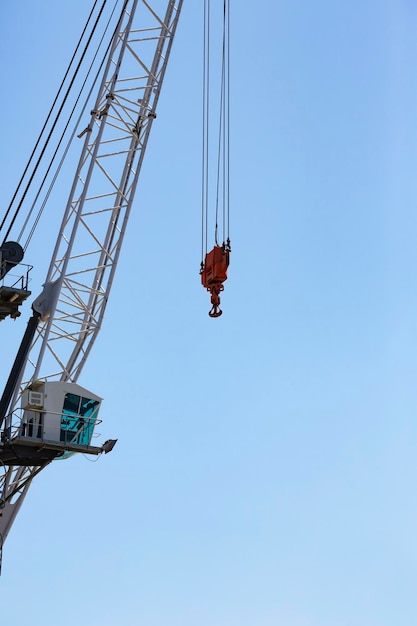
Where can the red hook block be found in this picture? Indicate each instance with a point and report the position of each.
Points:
(213, 274)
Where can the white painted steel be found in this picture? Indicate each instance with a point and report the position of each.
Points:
(95, 218)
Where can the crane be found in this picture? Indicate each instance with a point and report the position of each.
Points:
(45, 413)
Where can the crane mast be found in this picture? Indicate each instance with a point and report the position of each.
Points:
(69, 311)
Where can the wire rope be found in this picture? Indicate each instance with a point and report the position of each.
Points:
(58, 115)
(205, 129)
(69, 142)
(47, 120)
(222, 164)
(228, 123)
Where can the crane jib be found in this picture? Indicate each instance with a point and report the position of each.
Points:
(84, 260)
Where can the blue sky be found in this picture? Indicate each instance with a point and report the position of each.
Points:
(266, 463)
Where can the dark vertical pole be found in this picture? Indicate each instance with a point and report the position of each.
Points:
(18, 366)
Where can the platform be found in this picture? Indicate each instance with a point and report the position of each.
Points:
(10, 300)
(32, 451)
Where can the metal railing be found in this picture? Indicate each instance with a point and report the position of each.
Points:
(30, 424)
(12, 280)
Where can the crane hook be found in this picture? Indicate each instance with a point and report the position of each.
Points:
(215, 290)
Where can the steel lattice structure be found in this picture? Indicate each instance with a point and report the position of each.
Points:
(85, 257)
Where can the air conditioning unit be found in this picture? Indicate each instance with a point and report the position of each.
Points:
(32, 399)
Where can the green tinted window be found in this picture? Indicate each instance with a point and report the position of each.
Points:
(78, 419)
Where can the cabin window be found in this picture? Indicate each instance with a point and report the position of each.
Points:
(78, 419)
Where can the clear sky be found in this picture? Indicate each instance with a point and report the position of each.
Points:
(265, 471)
